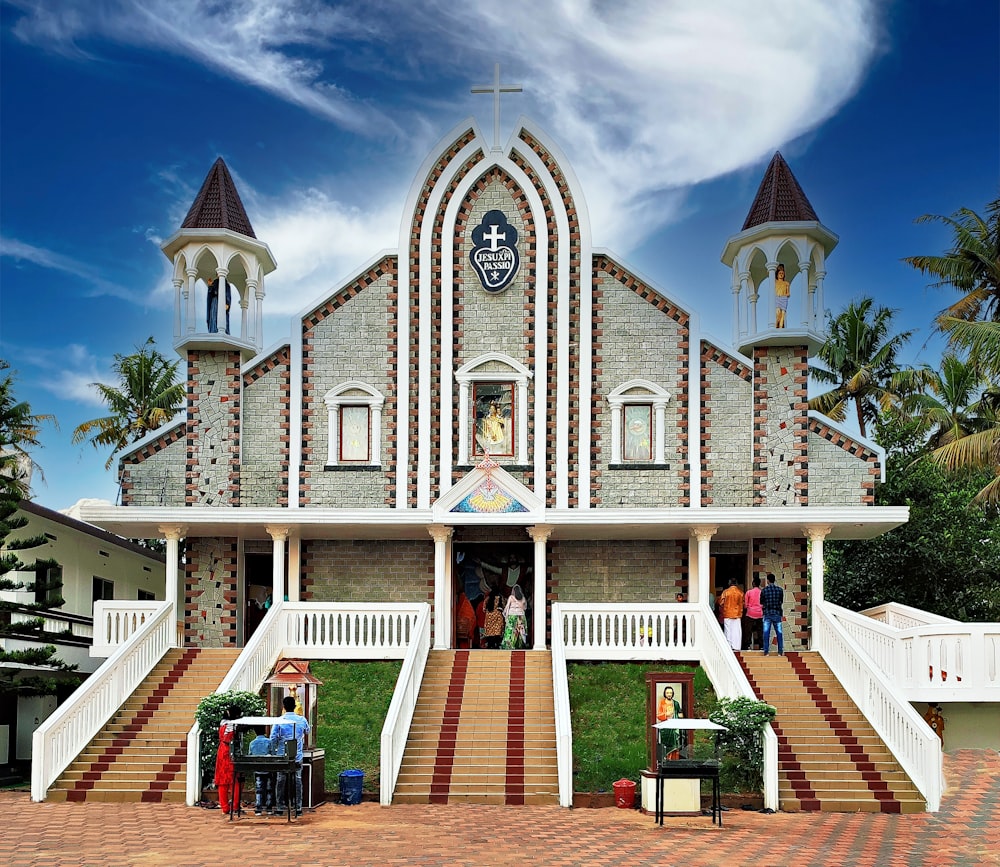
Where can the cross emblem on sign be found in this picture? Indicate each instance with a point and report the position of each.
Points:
(494, 235)
(496, 89)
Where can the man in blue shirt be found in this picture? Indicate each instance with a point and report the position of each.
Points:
(293, 728)
(771, 599)
(261, 746)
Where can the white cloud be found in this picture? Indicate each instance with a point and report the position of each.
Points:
(53, 261)
(67, 372)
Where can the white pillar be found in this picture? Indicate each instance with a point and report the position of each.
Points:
(540, 604)
(522, 422)
(463, 422)
(816, 535)
(818, 302)
(173, 533)
(659, 434)
(772, 307)
(616, 432)
(702, 590)
(805, 293)
(258, 329)
(192, 275)
(178, 300)
(278, 535)
(294, 547)
(442, 604)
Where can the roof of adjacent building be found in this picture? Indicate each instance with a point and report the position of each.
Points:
(218, 205)
(779, 197)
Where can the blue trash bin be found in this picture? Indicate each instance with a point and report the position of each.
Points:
(351, 783)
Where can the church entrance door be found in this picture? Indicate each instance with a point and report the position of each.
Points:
(481, 570)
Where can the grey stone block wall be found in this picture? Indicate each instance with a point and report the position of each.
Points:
(638, 341)
(836, 477)
(352, 343)
(368, 571)
(157, 480)
(728, 437)
(617, 571)
(263, 473)
(210, 594)
(213, 428)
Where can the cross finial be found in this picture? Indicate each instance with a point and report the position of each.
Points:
(496, 89)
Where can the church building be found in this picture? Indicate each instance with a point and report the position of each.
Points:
(497, 402)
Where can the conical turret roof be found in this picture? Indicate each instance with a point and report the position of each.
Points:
(218, 205)
(779, 198)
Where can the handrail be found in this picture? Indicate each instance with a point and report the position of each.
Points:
(943, 660)
(59, 740)
(901, 616)
(905, 734)
(730, 681)
(396, 728)
(563, 714)
(115, 620)
(247, 673)
(349, 630)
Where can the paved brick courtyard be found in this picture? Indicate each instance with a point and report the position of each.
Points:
(965, 832)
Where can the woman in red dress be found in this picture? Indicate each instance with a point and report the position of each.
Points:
(226, 779)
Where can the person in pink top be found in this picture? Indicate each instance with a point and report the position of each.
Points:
(753, 620)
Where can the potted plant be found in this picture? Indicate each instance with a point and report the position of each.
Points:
(742, 744)
(210, 713)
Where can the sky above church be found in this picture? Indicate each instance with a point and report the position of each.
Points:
(112, 113)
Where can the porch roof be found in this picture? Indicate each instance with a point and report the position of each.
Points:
(862, 522)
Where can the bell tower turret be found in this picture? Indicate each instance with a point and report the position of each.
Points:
(778, 261)
(219, 269)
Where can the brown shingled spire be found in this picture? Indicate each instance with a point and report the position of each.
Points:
(779, 198)
(218, 205)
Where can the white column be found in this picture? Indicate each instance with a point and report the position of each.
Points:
(540, 606)
(173, 533)
(376, 434)
(772, 307)
(805, 293)
(294, 568)
(818, 302)
(244, 316)
(463, 421)
(616, 432)
(178, 292)
(752, 312)
(659, 434)
(522, 422)
(702, 589)
(738, 286)
(279, 536)
(192, 275)
(258, 329)
(816, 535)
(442, 602)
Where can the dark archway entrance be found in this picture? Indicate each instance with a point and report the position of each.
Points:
(479, 568)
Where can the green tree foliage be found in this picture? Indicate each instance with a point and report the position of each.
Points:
(860, 360)
(35, 670)
(148, 395)
(945, 559)
(212, 711)
(742, 743)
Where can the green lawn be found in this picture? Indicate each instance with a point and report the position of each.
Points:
(608, 704)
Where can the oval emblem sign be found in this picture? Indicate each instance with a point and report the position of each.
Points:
(494, 251)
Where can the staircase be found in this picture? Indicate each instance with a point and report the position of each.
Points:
(483, 731)
(829, 757)
(141, 753)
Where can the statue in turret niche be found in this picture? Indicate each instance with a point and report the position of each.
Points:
(782, 292)
(212, 318)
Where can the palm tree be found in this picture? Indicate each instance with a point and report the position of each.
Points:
(945, 401)
(860, 362)
(972, 265)
(148, 396)
(19, 429)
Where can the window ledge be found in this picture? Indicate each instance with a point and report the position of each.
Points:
(349, 468)
(638, 466)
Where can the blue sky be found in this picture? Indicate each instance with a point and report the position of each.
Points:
(112, 113)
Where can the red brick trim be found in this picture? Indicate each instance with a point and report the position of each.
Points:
(862, 452)
(279, 361)
(230, 437)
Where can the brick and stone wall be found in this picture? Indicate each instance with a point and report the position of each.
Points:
(155, 474)
(786, 558)
(617, 570)
(367, 571)
(210, 592)
(351, 336)
(726, 429)
(780, 466)
(639, 335)
(266, 413)
(213, 429)
(842, 472)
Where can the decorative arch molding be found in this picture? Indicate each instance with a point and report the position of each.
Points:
(638, 392)
(354, 395)
(489, 367)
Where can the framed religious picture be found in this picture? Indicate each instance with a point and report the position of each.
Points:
(669, 694)
(494, 419)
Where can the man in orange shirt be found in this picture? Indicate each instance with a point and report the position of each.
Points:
(731, 608)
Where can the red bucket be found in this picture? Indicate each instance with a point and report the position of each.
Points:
(624, 794)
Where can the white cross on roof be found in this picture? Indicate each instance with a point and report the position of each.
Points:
(496, 89)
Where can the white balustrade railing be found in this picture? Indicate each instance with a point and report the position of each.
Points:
(396, 729)
(626, 631)
(629, 631)
(940, 660)
(903, 616)
(905, 734)
(314, 630)
(115, 620)
(729, 681)
(55, 623)
(59, 740)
